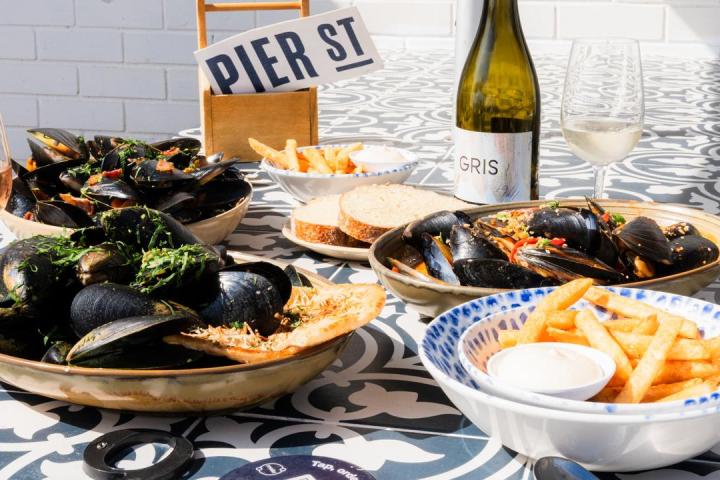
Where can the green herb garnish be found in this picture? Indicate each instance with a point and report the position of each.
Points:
(617, 218)
(554, 204)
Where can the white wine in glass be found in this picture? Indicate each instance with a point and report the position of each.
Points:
(603, 107)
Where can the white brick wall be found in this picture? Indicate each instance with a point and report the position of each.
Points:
(126, 66)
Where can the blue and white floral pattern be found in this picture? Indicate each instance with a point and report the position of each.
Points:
(376, 406)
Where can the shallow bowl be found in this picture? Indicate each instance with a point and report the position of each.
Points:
(211, 231)
(305, 186)
(431, 299)
(600, 441)
(509, 311)
(198, 390)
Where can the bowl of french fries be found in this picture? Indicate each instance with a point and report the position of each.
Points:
(313, 171)
(661, 407)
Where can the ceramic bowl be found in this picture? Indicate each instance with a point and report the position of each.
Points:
(431, 299)
(600, 441)
(305, 186)
(510, 310)
(211, 231)
(196, 390)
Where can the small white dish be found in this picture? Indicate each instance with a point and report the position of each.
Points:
(353, 254)
(378, 158)
(582, 391)
(305, 186)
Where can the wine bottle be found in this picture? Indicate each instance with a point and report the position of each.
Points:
(497, 128)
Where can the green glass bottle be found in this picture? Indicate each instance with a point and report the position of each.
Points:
(497, 129)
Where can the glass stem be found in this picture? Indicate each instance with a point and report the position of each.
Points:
(599, 172)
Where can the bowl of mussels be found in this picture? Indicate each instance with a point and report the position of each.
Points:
(448, 258)
(137, 313)
(68, 180)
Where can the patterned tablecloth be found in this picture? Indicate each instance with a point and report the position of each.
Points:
(377, 407)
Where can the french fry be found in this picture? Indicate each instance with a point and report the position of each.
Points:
(342, 157)
(681, 370)
(606, 395)
(559, 299)
(562, 319)
(713, 344)
(507, 338)
(656, 392)
(651, 362)
(565, 336)
(317, 161)
(621, 324)
(329, 153)
(703, 388)
(291, 154)
(646, 326)
(635, 308)
(682, 349)
(599, 338)
(278, 159)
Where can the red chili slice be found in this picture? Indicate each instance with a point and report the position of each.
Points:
(112, 173)
(558, 242)
(520, 243)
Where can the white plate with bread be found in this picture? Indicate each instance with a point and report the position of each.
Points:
(344, 225)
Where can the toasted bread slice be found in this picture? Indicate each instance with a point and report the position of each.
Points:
(323, 314)
(317, 222)
(369, 211)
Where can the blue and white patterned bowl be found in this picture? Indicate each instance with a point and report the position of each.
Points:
(605, 439)
(305, 186)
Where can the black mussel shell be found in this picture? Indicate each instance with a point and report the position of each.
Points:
(578, 227)
(223, 191)
(145, 176)
(558, 468)
(438, 266)
(297, 279)
(109, 345)
(691, 251)
(163, 357)
(251, 293)
(71, 182)
(19, 337)
(57, 353)
(102, 303)
(206, 174)
(144, 228)
(32, 277)
(61, 141)
(495, 273)
(61, 214)
(106, 144)
(21, 199)
(109, 189)
(88, 236)
(45, 181)
(105, 263)
(465, 244)
(565, 264)
(643, 237)
(182, 206)
(680, 229)
(435, 224)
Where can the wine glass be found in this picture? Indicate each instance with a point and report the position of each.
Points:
(5, 169)
(602, 106)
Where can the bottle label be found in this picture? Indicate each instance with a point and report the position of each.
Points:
(492, 167)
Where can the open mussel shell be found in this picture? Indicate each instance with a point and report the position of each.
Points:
(436, 259)
(297, 279)
(144, 228)
(45, 180)
(61, 214)
(117, 344)
(496, 273)
(206, 174)
(226, 190)
(21, 199)
(103, 303)
(182, 206)
(565, 264)
(251, 293)
(57, 353)
(439, 223)
(146, 176)
(578, 227)
(61, 141)
(109, 189)
(643, 237)
(465, 244)
(105, 263)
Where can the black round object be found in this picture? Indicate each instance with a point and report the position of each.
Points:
(104, 448)
(558, 468)
(298, 467)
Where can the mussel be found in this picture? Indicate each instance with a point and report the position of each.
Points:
(691, 251)
(496, 273)
(135, 342)
(61, 141)
(61, 214)
(680, 229)
(250, 293)
(106, 262)
(464, 243)
(57, 353)
(565, 264)
(145, 228)
(436, 224)
(644, 238)
(438, 259)
(103, 303)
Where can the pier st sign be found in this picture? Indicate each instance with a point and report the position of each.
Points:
(291, 55)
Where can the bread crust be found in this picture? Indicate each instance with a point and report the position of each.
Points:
(326, 234)
(362, 231)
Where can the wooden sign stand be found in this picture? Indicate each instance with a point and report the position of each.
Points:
(228, 120)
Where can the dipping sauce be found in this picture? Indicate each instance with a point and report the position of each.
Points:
(374, 158)
(542, 367)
